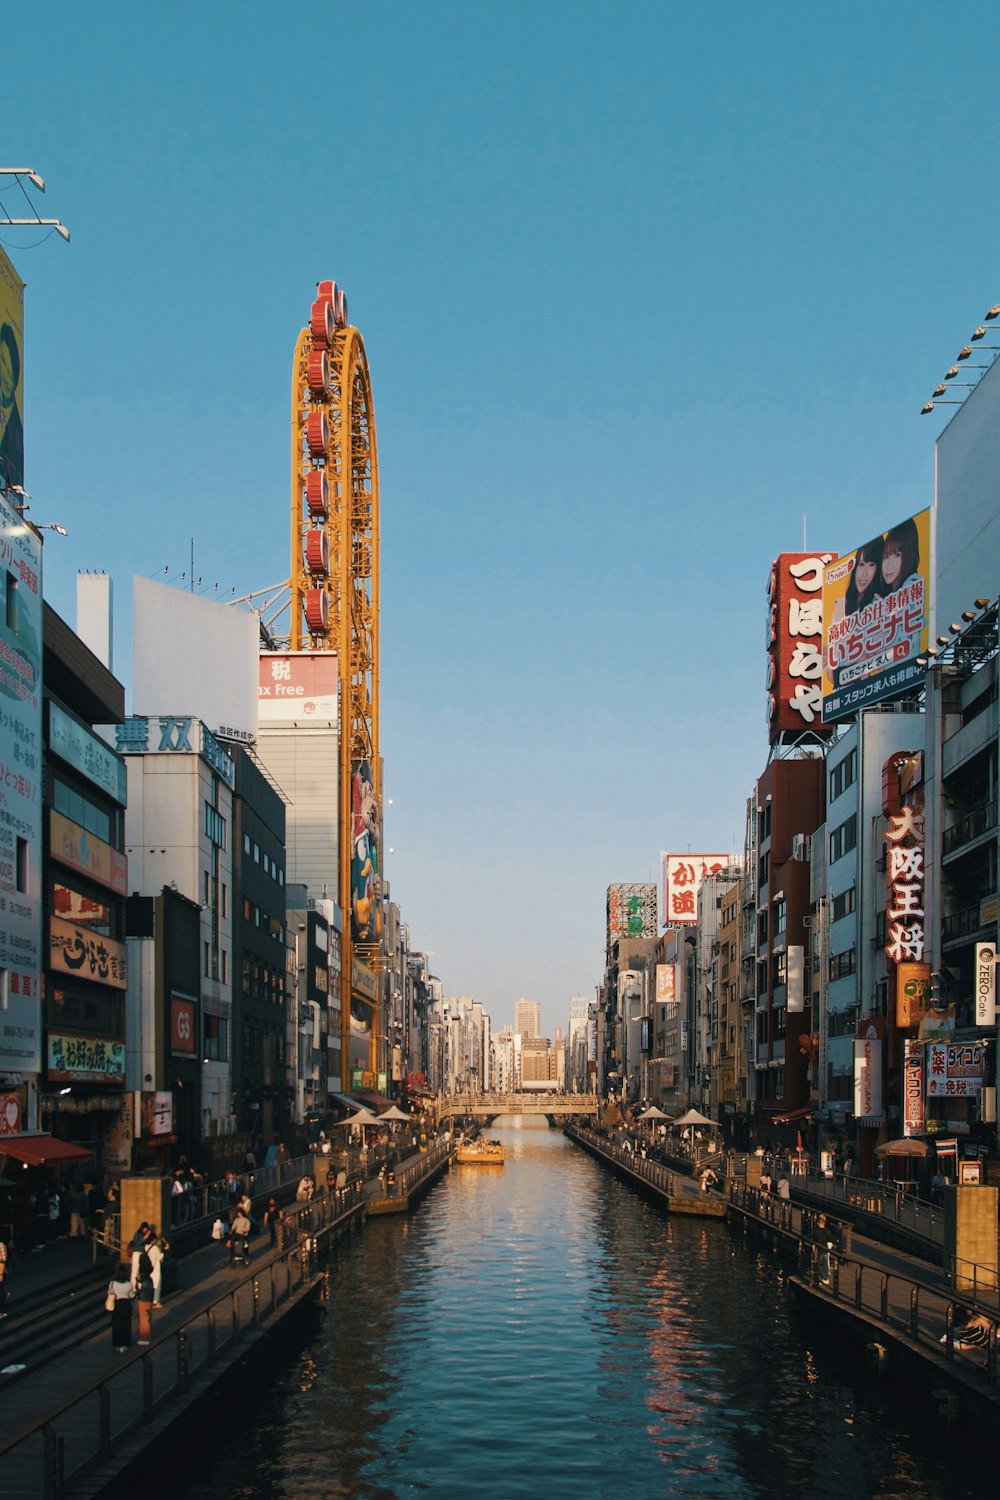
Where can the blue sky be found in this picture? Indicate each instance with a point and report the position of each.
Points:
(641, 286)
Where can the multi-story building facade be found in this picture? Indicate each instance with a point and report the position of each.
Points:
(83, 1086)
(261, 1104)
(789, 801)
(181, 786)
(528, 1018)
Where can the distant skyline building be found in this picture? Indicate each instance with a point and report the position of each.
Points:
(528, 1018)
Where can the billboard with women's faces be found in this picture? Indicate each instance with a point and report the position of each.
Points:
(11, 376)
(876, 618)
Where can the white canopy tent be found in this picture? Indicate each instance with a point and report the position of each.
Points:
(693, 1117)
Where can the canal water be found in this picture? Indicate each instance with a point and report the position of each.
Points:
(540, 1332)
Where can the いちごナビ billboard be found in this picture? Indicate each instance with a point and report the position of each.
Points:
(876, 613)
(11, 375)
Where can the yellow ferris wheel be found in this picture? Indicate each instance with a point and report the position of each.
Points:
(334, 590)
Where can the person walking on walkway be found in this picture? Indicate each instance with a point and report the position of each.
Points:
(121, 1289)
(239, 1239)
(155, 1248)
(78, 1208)
(823, 1240)
(273, 1218)
(137, 1246)
(145, 1294)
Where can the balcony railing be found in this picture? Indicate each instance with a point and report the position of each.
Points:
(981, 820)
(962, 923)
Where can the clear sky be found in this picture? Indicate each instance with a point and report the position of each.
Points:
(641, 285)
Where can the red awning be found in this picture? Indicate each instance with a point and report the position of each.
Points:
(41, 1149)
(793, 1114)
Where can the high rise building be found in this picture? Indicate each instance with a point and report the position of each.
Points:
(528, 1018)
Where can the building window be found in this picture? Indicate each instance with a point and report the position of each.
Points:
(225, 901)
(844, 775)
(780, 917)
(216, 1039)
(844, 838)
(215, 826)
(208, 961)
(73, 805)
(764, 868)
(246, 843)
(256, 854)
(780, 969)
(841, 965)
(225, 967)
(844, 904)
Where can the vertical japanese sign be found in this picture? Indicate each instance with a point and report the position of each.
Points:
(11, 374)
(682, 878)
(904, 907)
(666, 984)
(876, 604)
(796, 977)
(913, 1087)
(795, 644)
(20, 792)
(120, 1134)
(868, 1075)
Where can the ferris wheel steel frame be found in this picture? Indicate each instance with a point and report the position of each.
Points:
(334, 585)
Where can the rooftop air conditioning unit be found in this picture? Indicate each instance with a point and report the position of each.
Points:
(800, 846)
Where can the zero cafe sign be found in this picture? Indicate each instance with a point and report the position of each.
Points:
(986, 984)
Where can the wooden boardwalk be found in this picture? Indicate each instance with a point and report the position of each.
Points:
(92, 1421)
(674, 1191)
(895, 1306)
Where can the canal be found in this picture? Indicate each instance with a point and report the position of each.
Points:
(538, 1330)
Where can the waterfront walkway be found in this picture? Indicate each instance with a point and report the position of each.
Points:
(896, 1305)
(89, 1408)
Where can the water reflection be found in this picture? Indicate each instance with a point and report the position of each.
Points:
(541, 1331)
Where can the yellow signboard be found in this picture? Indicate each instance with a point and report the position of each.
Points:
(88, 955)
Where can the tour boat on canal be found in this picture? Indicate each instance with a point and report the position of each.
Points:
(482, 1153)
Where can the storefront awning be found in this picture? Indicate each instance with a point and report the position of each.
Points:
(41, 1150)
(793, 1114)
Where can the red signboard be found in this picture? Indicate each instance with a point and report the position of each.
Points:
(795, 645)
(183, 1027)
(10, 1114)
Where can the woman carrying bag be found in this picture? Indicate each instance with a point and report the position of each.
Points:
(119, 1304)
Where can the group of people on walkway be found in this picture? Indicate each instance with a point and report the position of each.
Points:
(139, 1281)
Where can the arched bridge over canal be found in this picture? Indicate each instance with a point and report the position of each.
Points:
(555, 1107)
